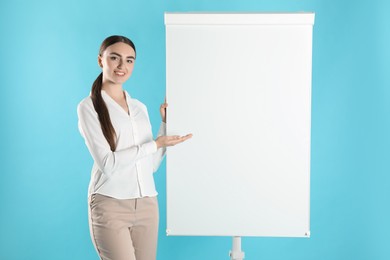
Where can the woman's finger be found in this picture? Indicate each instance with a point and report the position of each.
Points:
(180, 139)
(184, 138)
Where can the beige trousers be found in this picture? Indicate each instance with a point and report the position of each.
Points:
(124, 229)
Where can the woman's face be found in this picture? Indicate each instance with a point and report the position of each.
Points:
(117, 62)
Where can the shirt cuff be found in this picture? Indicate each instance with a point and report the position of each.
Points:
(150, 147)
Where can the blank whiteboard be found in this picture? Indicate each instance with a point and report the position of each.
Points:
(241, 83)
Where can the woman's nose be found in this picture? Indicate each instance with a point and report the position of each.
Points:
(120, 63)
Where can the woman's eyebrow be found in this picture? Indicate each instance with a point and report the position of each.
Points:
(131, 57)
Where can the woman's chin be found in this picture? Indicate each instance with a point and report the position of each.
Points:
(118, 80)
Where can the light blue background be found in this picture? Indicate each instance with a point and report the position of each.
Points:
(48, 62)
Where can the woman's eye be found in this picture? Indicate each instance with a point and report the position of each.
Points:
(130, 61)
(113, 58)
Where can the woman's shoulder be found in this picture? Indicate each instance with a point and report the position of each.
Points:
(86, 101)
(136, 102)
(141, 105)
(85, 104)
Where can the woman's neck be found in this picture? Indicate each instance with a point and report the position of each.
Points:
(113, 90)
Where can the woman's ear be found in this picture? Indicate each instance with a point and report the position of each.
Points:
(100, 61)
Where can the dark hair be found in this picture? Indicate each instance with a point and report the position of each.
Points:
(98, 102)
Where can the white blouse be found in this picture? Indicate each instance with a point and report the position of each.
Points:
(126, 173)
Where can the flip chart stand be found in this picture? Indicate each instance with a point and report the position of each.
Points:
(236, 253)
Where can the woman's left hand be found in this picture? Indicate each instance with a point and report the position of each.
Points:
(163, 110)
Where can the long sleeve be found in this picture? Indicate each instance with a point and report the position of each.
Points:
(159, 155)
(107, 161)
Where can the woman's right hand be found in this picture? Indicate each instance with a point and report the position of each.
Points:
(164, 141)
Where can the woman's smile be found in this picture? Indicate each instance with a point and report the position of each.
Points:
(119, 73)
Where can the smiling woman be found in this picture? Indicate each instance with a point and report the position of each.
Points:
(118, 60)
(122, 199)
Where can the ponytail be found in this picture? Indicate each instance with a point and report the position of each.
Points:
(102, 111)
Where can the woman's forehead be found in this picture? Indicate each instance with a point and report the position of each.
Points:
(120, 48)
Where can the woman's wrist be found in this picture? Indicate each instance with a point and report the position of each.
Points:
(157, 143)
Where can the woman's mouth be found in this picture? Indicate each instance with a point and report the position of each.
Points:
(119, 73)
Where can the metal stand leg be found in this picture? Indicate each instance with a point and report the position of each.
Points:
(236, 253)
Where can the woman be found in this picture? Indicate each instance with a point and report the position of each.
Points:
(123, 208)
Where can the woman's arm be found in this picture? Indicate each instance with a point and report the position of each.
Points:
(163, 140)
(159, 155)
(107, 160)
